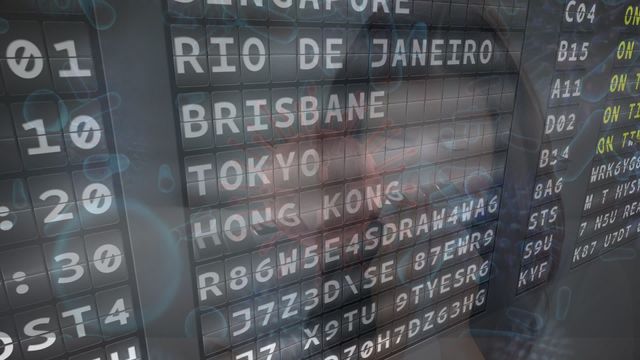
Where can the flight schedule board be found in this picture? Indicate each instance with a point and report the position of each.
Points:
(319, 179)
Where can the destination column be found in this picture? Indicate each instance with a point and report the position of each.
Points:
(344, 167)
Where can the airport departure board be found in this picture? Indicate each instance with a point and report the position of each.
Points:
(319, 179)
